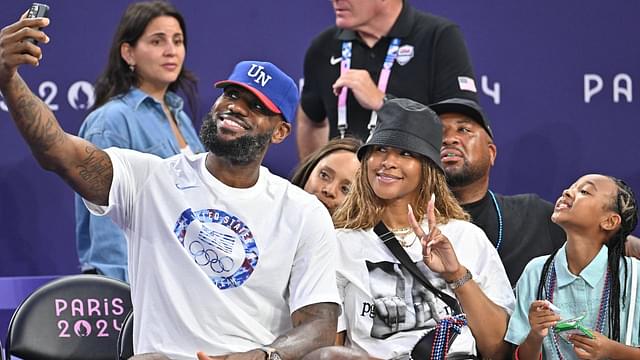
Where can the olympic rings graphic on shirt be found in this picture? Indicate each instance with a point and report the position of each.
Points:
(223, 264)
(210, 257)
(213, 247)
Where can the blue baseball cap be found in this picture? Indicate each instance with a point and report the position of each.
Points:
(277, 91)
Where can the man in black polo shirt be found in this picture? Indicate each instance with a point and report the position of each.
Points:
(520, 225)
(426, 58)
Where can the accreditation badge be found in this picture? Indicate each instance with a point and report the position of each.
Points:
(405, 54)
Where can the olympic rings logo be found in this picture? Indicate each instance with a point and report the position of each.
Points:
(225, 250)
(210, 258)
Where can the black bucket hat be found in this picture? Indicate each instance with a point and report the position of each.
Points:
(407, 125)
(465, 107)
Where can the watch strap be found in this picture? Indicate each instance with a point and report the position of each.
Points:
(272, 354)
(461, 281)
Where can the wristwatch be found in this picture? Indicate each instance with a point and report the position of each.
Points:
(459, 282)
(272, 354)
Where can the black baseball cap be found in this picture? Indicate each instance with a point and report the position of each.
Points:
(465, 107)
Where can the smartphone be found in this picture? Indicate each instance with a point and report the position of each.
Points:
(37, 10)
(553, 308)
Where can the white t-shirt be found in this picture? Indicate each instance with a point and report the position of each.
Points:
(386, 310)
(215, 268)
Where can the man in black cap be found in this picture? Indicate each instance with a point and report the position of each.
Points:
(224, 257)
(519, 226)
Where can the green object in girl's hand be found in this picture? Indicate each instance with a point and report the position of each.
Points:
(573, 326)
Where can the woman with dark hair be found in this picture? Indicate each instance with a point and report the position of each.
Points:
(387, 307)
(137, 108)
(328, 172)
(579, 302)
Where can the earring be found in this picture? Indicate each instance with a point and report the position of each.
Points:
(132, 67)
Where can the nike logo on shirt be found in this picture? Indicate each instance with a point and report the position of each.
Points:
(185, 187)
(335, 60)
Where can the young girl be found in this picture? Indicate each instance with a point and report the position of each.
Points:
(386, 310)
(583, 279)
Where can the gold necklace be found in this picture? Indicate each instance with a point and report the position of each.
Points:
(402, 233)
(406, 243)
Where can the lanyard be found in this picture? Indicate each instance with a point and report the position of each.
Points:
(383, 81)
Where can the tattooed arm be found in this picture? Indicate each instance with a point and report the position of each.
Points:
(314, 326)
(82, 165)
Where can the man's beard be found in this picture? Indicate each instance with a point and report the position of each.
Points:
(464, 176)
(240, 151)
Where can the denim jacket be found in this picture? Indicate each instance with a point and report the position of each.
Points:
(135, 121)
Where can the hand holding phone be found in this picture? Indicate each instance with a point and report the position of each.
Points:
(37, 10)
(553, 308)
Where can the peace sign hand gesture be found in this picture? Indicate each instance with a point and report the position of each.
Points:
(437, 251)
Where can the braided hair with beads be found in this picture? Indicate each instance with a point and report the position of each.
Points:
(624, 205)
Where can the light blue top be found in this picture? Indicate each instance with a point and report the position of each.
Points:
(575, 296)
(135, 121)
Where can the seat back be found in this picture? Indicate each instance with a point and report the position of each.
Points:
(75, 317)
(125, 339)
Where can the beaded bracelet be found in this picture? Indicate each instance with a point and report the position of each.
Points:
(440, 347)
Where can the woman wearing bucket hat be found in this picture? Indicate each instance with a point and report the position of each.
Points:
(401, 278)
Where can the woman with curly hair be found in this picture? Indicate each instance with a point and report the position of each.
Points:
(400, 196)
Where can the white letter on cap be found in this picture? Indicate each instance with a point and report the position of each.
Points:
(626, 90)
(253, 72)
(263, 78)
(260, 77)
(588, 90)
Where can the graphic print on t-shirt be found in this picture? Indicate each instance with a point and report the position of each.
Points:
(220, 243)
(401, 302)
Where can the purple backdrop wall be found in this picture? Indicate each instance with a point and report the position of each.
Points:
(534, 58)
